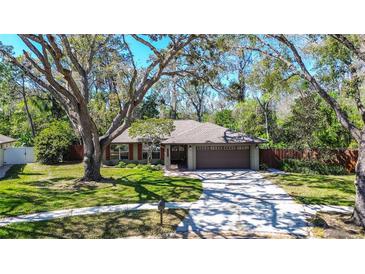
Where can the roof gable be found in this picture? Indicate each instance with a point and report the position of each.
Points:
(5, 139)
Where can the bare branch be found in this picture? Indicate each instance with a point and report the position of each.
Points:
(148, 44)
(72, 57)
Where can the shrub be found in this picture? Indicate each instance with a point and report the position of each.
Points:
(53, 142)
(121, 164)
(151, 167)
(313, 167)
(158, 167)
(131, 165)
(146, 167)
(159, 162)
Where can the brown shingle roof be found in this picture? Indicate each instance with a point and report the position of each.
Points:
(207, 133)
(5, 139)
(193, 132)
(181, 126)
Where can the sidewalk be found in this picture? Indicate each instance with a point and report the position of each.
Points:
(44, 216)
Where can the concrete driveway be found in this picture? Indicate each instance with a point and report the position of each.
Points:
(242, 200)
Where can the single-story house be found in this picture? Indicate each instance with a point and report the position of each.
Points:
(193, 145)
(5, 142)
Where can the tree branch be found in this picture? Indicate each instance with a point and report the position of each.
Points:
(347, 43)
(148, 44)
(341, 115)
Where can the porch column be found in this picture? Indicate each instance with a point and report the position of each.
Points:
(167, 156)
(254, 157)
(135, 152)
(191, 157)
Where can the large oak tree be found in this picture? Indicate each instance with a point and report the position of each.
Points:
(72, 67)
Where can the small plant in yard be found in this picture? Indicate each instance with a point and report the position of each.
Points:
(264, 166)
(53, 142)
(131, 165)
(121, 164)
(151, 132)
(151, 167)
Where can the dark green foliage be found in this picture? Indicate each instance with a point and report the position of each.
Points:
(313, 124)
(159, 162)
(53, 142)
(224, 118)
(149, 107)
(313, 167)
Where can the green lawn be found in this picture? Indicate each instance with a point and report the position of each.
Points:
(102, 226)
(35, 188)
(318, 189)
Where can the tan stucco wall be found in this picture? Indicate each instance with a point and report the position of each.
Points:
(254, 157)
(167, 156)
(191, 157)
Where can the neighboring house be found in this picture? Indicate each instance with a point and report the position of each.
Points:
(193, 145)
(5, 142)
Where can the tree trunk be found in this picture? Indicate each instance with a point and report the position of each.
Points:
(93, 149)
(92, 162)
(266, 126)
(200, 116)
(149, 153)
(359, 211)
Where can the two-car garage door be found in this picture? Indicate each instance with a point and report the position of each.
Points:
(222, 156)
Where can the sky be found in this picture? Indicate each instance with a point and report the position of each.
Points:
(140, 51)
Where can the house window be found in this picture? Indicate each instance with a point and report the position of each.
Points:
(155, 152)
(177, 148)
(119, 152)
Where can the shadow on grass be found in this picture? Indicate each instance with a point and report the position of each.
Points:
(39, 195)
(104, 226)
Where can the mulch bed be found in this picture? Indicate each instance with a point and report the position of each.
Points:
(331, 225)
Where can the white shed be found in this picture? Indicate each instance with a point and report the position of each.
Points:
(5, 142)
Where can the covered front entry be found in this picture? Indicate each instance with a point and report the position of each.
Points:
(179, 155)
(222, 156)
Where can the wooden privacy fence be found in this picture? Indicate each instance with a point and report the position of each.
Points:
(345, 157)
(75, 153)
